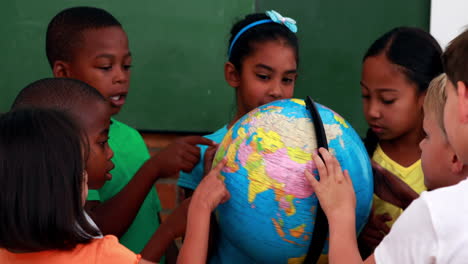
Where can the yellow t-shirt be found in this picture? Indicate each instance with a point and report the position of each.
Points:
(412, 175)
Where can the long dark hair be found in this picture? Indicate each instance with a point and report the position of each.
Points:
(41, 179)
(418, 56)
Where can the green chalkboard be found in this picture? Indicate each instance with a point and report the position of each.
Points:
(178, 52)
(334, 36)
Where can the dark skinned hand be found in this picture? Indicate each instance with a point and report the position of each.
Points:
(182, 155)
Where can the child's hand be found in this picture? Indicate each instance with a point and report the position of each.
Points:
(211, 191)
(335, 189)
(375, 230)
(209, 157)
(183, 154)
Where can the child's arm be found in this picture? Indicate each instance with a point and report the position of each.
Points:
(389, 188)
(392, 189)
(373, 232)
(180, 155)
(208, 195)
(338, 201)
(172, 228)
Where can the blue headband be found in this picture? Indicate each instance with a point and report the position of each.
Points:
(275, 17)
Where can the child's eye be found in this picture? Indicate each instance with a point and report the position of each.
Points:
(127, 67)
(105, 68)
(365, 96)
(103, 142)
(288, 80)
(263, 77)
(388, 102)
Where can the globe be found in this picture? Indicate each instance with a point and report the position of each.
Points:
(270, 215)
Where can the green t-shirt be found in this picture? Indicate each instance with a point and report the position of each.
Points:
(130, 152)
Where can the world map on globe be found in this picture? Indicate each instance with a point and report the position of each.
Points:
(271, 213)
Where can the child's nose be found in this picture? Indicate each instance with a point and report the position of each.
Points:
(121, 76)
(110, 153)
(276, 90)
(373, 110)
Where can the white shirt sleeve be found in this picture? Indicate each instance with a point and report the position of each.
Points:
(412, 238)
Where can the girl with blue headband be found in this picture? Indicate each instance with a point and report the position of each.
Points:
(263, 58)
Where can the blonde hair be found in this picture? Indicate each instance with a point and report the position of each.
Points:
(434, 101)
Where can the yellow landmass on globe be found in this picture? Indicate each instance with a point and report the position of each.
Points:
(291, 210)
(270, 140)
(232, 165)
(341, 120)
(220, 154)
(259, 181)
(299, 155)
(298, 101)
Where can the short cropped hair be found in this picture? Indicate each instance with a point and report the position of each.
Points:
(434, 101)
(455, 59)
(65, 30)
(41, 181)
(58, 93)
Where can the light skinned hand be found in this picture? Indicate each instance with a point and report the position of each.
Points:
(334, 190)
(211, 191)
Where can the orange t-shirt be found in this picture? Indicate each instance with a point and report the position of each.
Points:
(100, 250)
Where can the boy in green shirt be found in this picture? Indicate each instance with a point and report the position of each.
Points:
(90, 45)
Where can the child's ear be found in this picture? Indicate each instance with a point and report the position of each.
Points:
(456, 164)
(421, 98)
(61, 69)
(462, 101)
(231, 75)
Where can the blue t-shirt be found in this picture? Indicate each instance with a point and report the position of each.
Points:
(192, 179)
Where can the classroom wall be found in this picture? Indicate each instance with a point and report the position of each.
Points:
(178, 50)
(177, 79)
(448, 19)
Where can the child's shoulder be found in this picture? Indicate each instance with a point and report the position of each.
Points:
(109, 250)
(125, 139)
(458, 191)
(124, 131)
(122, 127)
(218, 135)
